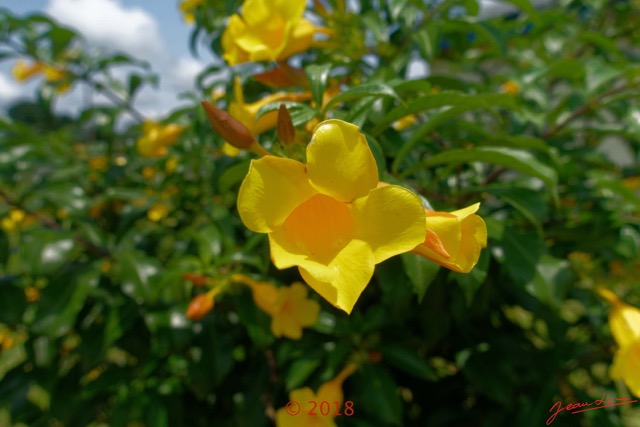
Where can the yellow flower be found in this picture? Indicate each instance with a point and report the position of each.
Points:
(99, 162)
(289, 308)
(405, 122)
(624, 321)
(268, 30)
(330, 392)
(23, 71)
(454, 240)
(626, 366)
(13, 220)
(157, 212)
(328, 217)
(510, 87)
(186, 7)
(156, 138)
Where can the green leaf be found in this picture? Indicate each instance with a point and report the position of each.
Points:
(523, 5)
(552, 276)
(409, 361)
(421, 272)
(472, 281)
(299, 372)
(378, 154)
(209, 241)
(444, 99)
(378, 395)
(367, 89)
(232, 176)
(530, 203)
(62, 300)
(318, 75)
(60, 39)
(45, 251)
(519, 160)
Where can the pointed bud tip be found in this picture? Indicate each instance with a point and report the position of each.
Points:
(233, 131)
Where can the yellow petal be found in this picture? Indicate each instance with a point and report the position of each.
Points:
(272, 189)
(290, 10)
(390, 219)
(233, 54)
(300, 38)
(265, 296)
(340, 282)
(339, 161)
(331, 391)
(283, 324)
(230, 150)
(319, 228)
(304, 310)
(23, 71)
(624, 321)
(626, 366)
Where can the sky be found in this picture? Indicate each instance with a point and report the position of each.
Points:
(152, 30)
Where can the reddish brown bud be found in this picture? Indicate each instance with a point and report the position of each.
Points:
(284, 128)
(234, 132)
(283, 76)
(200, 306)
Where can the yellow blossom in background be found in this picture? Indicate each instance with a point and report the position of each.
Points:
(405, 122)
(624, 321)
(13, 220)
(32, 294)
(99, 162)
(186, 7)
(454, 240)
(156, 138)
(23, 71)
(157, 212)
(510, 87)
(171, 165)
(267, 30)
(329, 217)
(330, 392)
(148, 172)
(288, 306)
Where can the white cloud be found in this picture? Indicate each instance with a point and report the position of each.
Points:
(110, 25)
(183, 75)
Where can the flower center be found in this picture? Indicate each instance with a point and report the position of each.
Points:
(320, 227)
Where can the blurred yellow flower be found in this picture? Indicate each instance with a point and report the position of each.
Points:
(186, 7)
(268, 30)
(454, 240)
(156, 138)
(328, 217)
(148, 172)
(330, 392)
(13, 220)
(288, 306)
(171, 165)
(32, 294)
(405, 122)
(157, 212)
(99, 162)
(23, 71)
(510, 87)
(624, 321)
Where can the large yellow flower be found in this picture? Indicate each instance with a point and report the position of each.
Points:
(268, 30)
(328, 217)
(624, 321)
(156, 138)
(454, 240)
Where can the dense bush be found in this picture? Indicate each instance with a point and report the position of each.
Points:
(118, 234)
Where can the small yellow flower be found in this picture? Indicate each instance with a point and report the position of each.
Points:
(157, 212)
(156, 138)
(510, 87)
(268, 30)
(23, 71)
(405, 122)
(171, 165)
(289, 308)
(13, 220)
(32, 294)
(186, 7)
(328, 217)
(100, 162)
(148, 172)
(454, 240)
(330, 392)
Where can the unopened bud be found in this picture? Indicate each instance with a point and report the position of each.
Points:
(284, 128)
(231, 130)
(200, 306)
(196, 279)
